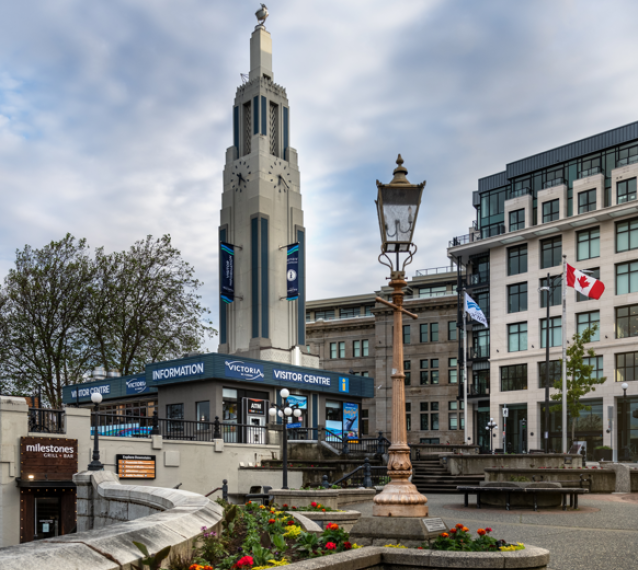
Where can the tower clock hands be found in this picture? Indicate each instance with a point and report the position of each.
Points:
(282, 179)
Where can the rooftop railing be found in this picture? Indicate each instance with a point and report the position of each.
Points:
(589, 172)
(627, 160)
(518, 192)
(556, 182)
(435, 271)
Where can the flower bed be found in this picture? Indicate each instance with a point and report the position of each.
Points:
(253, 537)
(459, 539)
(329, 498)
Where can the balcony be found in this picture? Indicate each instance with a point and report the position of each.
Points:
(518, 192)
(589, 172)
(490, 231)
(479, 352)
(478, 390)
(627, 160)
(555, 182)
(435, 271)
(479, 278)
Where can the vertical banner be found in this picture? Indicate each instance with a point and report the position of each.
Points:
(227, 253)
(351, 420)
(292, 272)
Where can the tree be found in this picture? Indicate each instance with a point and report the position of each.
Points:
(43, 309)
(63, 313)
(144, 306)
(579, 377)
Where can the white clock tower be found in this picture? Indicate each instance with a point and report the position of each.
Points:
(261, 214)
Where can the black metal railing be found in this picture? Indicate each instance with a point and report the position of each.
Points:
(486, 232)
(44, 420)
(113, 425)
(345, 445)
(365, 475)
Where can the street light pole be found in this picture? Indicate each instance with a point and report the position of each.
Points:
(626, 455)
(284, 411)
(491, 425)
(96, 464)
(546, 431)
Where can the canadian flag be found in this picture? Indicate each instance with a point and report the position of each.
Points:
(588, 286)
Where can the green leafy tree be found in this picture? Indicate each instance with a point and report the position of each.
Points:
(579, 378)
(63, 313)
(145, 307)
(43, 313)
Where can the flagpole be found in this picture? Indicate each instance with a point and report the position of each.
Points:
(464, 367)
(564, 354)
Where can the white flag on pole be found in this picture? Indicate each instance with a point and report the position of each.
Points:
(474, 311)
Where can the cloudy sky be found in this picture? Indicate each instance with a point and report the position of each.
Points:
(115, 115)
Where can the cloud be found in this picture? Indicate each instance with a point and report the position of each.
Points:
(115, 117)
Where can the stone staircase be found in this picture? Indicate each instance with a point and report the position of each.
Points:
(430, 476)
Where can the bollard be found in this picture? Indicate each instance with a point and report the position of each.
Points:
(367, 474)
(155, 430)
(225, 490)
(217, 434)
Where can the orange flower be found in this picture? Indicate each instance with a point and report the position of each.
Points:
(444, 535)
(465, 529)
(323, 510)
(332, 526)
(480, 531)
(459, 525)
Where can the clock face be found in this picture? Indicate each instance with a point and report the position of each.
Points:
(279, 175)
(240, 175)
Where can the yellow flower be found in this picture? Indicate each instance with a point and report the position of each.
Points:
(355, 546)
(262, 507)
(393, 546)
(293, 530)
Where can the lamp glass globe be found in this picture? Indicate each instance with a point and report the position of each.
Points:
(280, 414)
(272, 412)
(297, 413)
(96, 398)
(624, 385)
(288, 411)
(284, 393)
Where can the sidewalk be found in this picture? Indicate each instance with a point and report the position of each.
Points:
(603, 536)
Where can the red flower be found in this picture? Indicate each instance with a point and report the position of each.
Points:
(290, 523)
(488, 529)
(331, 545)
(459, 525)
(285, 505)
(347, 545)
(271, 521)
(480, 531)
(453, 530)
(419, 548)
(313, 504)
(245, 562)
(332, 526)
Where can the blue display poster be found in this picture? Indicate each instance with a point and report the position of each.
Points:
(227, 254)
(292, 272)
(351, 420)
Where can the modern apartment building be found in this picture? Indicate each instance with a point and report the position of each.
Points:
(577, 200)
(354, 334)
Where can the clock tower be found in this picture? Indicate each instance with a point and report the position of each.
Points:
(261, 214)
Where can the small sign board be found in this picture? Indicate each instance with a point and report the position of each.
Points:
(135, 466)
(48, 458)
(434, 526)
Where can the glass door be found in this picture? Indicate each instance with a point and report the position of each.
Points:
(47, 517)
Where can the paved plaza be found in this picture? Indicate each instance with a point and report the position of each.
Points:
(603, 535)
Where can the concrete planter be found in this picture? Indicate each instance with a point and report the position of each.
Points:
(300, 498)
(345, 519)
(353, 496)
(379, 558)
(477, 464)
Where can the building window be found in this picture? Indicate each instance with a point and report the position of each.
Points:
(452, 421)
(356, 348)
(452, 373)
(342, 350)
(586, 201)
(627, 321)
(365, 374)
(588, 244)
(626, 235)
(554, 292)
(517, 220)
(626, 191)
(202, 412)
(595, 272)
(325, 315)
(434, 421)
(481, 344)
(424, 333)
(424, 422)
(626, 278)
(434, 373)
(555, 373)
(517, 260)
(368, 310)
(434, 406)
(175, 411)
(482, 299)
(408, 422)
(551, 252)
(517, 298)
(365, 347)
(349, 312)
(626, 365)
(406, 370)
(517, 337)
(333, 350)
(424, 406)
(426, 292)
(554, 331)
(406, 334)
(550, 211)
(364, 421)
(434, 332)
(452, 405)
(587, 320)
(514, 377)
(597, 363)
(425, 375)
(451, 330)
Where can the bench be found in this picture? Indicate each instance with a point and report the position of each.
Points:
(572, 492)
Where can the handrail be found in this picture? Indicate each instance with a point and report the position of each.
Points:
(223, 489)
(46, 420)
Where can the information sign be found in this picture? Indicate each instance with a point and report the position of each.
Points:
(434, 525)
(135, 466)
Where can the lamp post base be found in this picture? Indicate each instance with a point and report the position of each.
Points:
(400, 498)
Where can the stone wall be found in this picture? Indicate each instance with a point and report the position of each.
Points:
(477, 464)
(162, 517)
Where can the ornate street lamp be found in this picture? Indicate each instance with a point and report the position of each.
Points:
(285, 411)
(626, 452)
(490, 426)
(96, 465)
(398, 206)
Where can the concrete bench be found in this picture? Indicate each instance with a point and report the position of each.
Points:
(572, 492)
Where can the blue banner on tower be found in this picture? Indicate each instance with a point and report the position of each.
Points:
(227, 253)
(292, 272)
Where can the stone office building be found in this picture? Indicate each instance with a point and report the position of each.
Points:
(354, 334)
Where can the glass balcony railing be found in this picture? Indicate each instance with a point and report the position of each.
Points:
(556, 182)
(518, 192)
(589, 172)
(627, 160)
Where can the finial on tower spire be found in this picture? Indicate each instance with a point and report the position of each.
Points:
(262, 14)
(399, 173)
